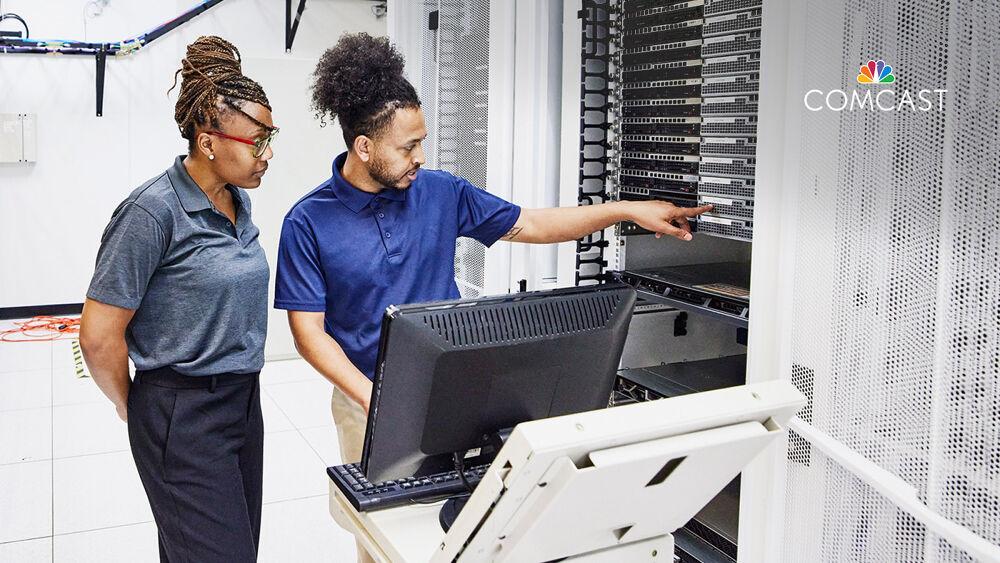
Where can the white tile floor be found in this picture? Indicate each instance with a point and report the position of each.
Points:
(69, 490)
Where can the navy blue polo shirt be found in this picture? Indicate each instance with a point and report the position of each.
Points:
(350, 253)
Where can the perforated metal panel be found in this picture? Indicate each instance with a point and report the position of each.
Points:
(844, 519)
(456, 75)
(897, 279)
(429, 83)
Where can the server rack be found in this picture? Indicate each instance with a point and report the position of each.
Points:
(680, 106)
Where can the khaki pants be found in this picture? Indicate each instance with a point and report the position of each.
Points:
(351, 422)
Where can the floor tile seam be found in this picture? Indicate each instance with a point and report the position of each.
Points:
(283, 383)
(139, 523)
(295, 499)
(318, 426)
(77, 456)
(294, 425)
(53, 405)
(23, 461)
(278, 406)
(122, 450)
(100, 401)
(3, 543)
(26, 462)
(40, 369)
(22, 409)
(102, 528)
(65, 457)
(22, 370)
(94, 454)
(296, 429)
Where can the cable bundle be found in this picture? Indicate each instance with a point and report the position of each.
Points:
(41, 329)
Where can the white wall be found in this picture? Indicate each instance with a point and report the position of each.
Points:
(52, 212)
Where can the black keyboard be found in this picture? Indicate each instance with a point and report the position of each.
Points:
(365, 495)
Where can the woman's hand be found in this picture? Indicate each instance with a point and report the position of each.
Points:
(122, 412)
(102, 341)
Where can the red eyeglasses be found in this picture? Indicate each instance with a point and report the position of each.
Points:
(259, 144)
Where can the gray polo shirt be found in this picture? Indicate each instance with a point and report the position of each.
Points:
(198, 283)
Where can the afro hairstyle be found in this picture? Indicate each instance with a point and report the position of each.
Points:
(360, 82)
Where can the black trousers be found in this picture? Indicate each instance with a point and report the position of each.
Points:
(198, 443)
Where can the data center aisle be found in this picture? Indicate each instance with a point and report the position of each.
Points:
(69, 490)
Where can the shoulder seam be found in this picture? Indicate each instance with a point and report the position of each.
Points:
(156, 221)
(149, 184)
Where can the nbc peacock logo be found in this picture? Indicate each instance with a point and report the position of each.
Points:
(876, 72)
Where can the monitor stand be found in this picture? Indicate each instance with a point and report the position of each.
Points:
(449, 512)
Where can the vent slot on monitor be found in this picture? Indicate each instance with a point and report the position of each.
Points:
(522, 319)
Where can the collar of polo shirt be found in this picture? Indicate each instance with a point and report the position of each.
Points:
(192, 198)
(352, 197)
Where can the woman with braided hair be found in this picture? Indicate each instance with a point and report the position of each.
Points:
(180, 287)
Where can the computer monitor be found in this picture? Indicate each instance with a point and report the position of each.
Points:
(452, 374)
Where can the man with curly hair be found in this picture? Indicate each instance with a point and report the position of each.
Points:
(381, 230)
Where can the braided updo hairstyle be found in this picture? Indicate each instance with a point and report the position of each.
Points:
(210, 69)
(360, 81)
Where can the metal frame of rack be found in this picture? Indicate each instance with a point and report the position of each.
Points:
(598, 25)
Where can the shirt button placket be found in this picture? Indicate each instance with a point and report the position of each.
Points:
(379, 216)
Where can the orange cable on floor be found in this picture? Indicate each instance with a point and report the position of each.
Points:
(42, 329)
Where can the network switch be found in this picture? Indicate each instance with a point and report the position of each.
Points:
(676, 163)
(724, 45)
(691, 49)
(728, 167)
(680, 198)
(659, 34)
(732, 23)
(649, 145)
(674, 126)
(732, 105)
(733, 125)
(728, 207)
(726, 227)
(728, 146)
(733, 64)
(736, 187)
(717, 7)
(664, 14)
(686, 107)
(729, 85)
(664, 70)
(655, 175)
(651, 90)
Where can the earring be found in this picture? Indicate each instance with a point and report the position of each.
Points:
(211, 157)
